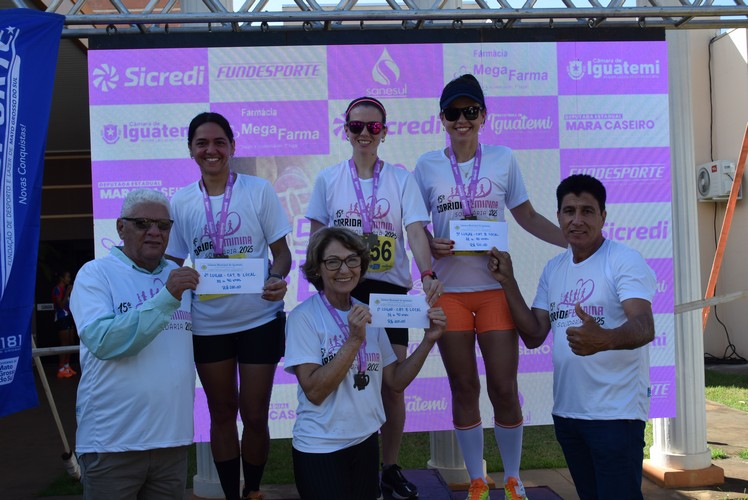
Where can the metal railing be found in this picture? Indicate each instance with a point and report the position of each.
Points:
(85, 18)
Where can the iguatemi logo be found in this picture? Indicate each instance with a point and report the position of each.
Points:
(110, 133)
(575, 70)
(105, 77)
(599, 68)
(135, 131)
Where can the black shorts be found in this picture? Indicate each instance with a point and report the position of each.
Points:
(263, 345)
(397, 336)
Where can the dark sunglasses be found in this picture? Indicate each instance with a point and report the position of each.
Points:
(357, 127)
(144, 224)
(470, 113)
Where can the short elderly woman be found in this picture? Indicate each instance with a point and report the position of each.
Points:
(341, 364)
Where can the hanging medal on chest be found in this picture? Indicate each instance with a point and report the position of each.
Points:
(360, 381)
(467, 193)
(367, 210)
(360, 378)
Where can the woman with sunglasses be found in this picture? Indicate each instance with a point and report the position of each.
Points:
(341, 365)
(230, 215)
(469, 180)
(376, 200)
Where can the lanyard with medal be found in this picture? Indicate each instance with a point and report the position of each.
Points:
(468, 198)
(217, 234)
(367, 212)
(360, 379)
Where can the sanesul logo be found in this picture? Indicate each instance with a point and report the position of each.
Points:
(385, 70)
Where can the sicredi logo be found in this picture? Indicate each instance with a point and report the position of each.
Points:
(111, 133)
(106, 77)
(386, 72)
(430, 126)
(598, 68)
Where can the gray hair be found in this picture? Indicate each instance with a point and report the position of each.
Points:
(138, 196)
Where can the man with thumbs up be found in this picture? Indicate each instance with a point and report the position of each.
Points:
(597, 299)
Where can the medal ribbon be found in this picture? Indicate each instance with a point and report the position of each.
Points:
(217, 234)
(466, 198)
(367, 212)
(361, 356)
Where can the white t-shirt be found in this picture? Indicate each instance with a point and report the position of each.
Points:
(138, 402)
(256, 219)
(334, 203)
(500, 185)
(608, 385)
(348, 416)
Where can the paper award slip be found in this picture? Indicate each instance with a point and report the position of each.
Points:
(478, 235)
(229, 276)
(398, 311)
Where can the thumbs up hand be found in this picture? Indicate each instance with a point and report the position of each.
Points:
(588, 338)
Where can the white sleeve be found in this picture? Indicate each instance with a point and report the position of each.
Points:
(302, 341)
(317, 208)
(414, 209)
(272, 216)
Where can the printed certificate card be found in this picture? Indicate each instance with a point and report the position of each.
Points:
(478, 235)
(226, 276)
(401, 311)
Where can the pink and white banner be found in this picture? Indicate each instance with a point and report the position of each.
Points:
(573, 107)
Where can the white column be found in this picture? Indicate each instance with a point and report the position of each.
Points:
(680, 443)
(205, 484)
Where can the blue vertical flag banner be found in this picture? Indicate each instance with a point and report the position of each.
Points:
(29, 41)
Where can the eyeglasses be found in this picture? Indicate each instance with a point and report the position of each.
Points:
(470, 113)
(333, 263)
(145, 224)
(357, 127)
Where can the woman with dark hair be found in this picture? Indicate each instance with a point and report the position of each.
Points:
(230, 215)
(341, 365)
(479, 181)
(377, 201)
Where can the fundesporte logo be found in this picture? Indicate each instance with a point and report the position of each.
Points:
(385, 70)
(105, 77)
(575, 69)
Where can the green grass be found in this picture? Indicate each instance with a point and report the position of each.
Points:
(718, 454)
(729, 389)
(539, 450)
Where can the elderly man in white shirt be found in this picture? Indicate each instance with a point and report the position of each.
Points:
(135, 397)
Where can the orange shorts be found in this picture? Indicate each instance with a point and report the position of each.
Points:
(480, 311)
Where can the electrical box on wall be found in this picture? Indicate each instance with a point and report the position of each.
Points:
(714, 181)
